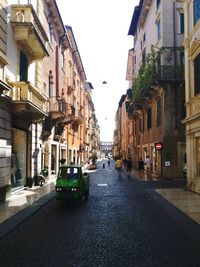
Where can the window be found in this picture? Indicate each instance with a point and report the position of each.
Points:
(140, 126)
(68, 173)
(197, 75)
(45, 88)
(143, 57)
(149, 118)
(181, 23)
(63, 60)
(198, 155)
(1, 72)
(144, 37)
(159, 112)
(50, 84)
(157, 3)
(158, 29)
(50, 30)
(182, 58)
(63, 55)
(23, 68)
(196, 8)
(183, 109)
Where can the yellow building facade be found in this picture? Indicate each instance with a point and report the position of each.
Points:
(5, 107)
(192, 91)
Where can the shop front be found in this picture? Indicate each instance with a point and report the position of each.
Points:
(19, 158)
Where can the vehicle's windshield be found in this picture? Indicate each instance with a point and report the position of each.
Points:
(68, 173)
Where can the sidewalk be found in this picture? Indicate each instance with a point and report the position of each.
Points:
(185, 201)
(23, 198)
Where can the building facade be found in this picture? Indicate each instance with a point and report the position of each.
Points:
(42, 84)
(192, 92)
(106, 148)
(155, 103)
(26, 49)
(5, 107)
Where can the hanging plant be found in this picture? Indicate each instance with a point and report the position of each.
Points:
(146, 74)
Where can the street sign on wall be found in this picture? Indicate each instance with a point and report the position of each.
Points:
(158, 146)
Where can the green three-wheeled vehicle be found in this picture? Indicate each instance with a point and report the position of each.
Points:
(72, 183)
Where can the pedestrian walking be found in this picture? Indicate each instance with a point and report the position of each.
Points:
(148, 163)
(108, 162)
(129, 167)
(124, 163)
(141, 167)
(104, 165)
(118, 167)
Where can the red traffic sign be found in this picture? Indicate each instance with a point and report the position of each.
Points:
(158, 146)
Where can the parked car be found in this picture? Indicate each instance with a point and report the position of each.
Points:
(72, 183)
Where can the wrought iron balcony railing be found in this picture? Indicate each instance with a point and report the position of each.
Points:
(60, 110)
(57, 105)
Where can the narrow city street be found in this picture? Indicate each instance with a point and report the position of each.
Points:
(120, 225)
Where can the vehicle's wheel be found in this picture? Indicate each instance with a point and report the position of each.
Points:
(42, 181)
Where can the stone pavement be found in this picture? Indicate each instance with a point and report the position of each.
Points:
(29, 200)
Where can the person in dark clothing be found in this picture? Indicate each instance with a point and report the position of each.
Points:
(108, 162)
(129, 167)
(141, 167)
(124, 163)
(104, 165)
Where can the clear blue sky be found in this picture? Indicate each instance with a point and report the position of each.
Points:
(101, 32)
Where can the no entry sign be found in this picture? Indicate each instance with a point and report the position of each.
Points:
(158, 146)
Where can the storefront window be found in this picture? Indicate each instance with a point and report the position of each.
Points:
(19, 158)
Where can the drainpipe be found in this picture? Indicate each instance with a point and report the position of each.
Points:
(174, 33)
(175, 61)
(57, 73)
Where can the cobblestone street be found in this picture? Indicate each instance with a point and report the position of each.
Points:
(121, 224)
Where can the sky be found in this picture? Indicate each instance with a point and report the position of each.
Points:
(101, 32)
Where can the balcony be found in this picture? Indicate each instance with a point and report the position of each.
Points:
(195, 106)
(152, 75)
(60, 111)
(4, 87)
(28, 31)
(172, 73)
(78, 116)
(28, 102)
